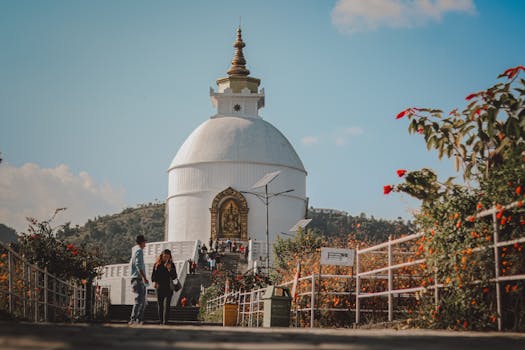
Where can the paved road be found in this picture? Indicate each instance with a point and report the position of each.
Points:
(110, 336)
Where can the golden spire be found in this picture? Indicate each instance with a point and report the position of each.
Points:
(238, 67)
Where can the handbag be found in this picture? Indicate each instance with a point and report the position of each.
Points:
(175, 285)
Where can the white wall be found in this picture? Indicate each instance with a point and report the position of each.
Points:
(192, 189)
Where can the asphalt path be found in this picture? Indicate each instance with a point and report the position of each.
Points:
(15, 335)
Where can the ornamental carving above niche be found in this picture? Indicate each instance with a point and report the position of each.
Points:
(229, 216)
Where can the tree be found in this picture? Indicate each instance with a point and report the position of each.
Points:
(487, 142)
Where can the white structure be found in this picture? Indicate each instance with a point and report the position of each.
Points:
(223, 158)
(116, 277)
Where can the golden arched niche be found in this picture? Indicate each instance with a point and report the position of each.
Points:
(229, 216)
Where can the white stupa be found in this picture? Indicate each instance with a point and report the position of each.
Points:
(223, 158)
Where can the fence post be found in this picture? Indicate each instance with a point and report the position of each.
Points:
(45, 295)
(357, 286)
(496, 267)
(436, 291)
(312, 302)
(390, 282)
(10, 268)
(258, 307)
(34, 294)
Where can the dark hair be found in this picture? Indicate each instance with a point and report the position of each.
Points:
(140, 239)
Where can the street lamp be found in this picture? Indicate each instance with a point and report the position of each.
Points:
(264, 197)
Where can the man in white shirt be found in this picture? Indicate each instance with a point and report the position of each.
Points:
(138, 280)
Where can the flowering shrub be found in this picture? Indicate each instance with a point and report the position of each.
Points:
(487, 141)
(40, 246)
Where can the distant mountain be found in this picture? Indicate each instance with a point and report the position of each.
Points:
(115, 234)
(7, 234)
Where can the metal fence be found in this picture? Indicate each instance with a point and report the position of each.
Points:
(392, 267)
(31, 293)
(311, 300)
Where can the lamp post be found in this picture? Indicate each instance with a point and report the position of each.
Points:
(265, 198)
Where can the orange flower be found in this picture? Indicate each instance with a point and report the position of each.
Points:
(503, 220)
(499, 214)
(458, 224)
(465, 324)
(518, 190)
(479, 206)
(472, 219)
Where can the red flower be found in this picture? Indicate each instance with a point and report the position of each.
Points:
(387, 189)
(420, 130)
(70, 247)
(471, 96)
(503, 220)
(511, 72)
(518, 190)
(401, 172)
(74, 252)
(458, 224)
(406, 111)
(465, 324)
(454, 111)
(402, 113)
(472, 219)
(499, 214)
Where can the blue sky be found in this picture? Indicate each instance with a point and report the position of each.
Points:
(97, 96)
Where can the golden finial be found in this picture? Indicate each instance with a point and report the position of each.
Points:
(238, 67)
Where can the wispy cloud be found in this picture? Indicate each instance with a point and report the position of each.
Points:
(339, 137)
(309, 140)
(353, 131)
(36, 192)
(350, 16)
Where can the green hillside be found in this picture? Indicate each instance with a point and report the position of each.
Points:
(114, 235)
(7, 234)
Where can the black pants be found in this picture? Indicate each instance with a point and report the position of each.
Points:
(164, 302)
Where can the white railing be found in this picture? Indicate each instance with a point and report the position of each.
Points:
(251, 303)
(390, 291)
(379, 273)
(29, 292)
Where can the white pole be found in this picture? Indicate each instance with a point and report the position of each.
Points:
(11, 268)
(496, 269)
(357, 287)
(312, 302)
(45, 295)
(390, 282)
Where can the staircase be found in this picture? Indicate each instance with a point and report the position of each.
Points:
(234, 262)
(177, 315)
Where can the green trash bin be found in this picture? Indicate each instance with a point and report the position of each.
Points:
(277, 305)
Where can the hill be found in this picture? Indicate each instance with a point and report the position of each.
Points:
(7, 234)
(114, 234)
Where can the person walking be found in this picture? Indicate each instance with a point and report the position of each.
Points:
(164, 272)
(138, 281)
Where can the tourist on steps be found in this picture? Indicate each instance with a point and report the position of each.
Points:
(164, 272)
(138, 281)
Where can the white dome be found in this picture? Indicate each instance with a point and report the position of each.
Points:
(237, 139)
